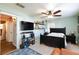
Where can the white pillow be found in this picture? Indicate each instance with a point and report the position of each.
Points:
(56, 34)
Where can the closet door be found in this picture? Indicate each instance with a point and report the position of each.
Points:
(9, 31)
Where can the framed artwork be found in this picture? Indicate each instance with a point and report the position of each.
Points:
(78, 19)
(78, 28)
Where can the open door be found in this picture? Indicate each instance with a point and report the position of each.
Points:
(8, 33)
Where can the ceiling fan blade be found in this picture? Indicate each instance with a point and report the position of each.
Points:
(57, 15)
(44, 13)
(43, 16)
(57, 11)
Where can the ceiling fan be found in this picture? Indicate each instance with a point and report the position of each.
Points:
(51, 13)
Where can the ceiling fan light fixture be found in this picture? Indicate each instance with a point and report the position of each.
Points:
(50, 16)
(49, 12)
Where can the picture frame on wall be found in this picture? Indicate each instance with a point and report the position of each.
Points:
(78, 19)
(78, 29)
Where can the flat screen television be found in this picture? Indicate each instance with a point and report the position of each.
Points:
(27, 25)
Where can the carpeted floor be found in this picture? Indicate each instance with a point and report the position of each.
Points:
(35, 49)
(41, 49)
(46, 50)
(25, 51)
(72, 47)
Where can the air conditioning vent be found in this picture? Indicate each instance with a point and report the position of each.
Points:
(20, 5)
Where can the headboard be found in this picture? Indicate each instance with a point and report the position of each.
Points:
(58, 30)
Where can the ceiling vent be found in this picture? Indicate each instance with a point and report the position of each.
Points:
(20, 5)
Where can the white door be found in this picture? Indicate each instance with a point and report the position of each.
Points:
(9, 31)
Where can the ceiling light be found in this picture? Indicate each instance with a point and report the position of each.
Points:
(50, 16)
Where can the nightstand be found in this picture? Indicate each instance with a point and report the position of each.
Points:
(71, 39)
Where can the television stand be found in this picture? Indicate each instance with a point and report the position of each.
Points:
(27, 39)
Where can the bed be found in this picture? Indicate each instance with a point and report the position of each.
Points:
(54, 41)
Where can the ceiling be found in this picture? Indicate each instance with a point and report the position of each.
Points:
(68, 9)
(34, 9)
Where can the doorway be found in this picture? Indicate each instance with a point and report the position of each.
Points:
(7, 33)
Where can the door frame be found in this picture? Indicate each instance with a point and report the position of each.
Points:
(14, 16)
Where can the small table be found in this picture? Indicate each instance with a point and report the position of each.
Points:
(71, 39)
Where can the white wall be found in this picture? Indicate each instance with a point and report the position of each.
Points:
(70, 23)
(51, 25)
(37, 33)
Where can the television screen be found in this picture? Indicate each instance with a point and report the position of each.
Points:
(27, 25)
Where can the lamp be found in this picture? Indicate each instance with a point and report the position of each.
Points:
(1, 26)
